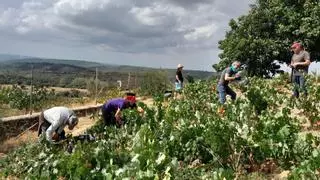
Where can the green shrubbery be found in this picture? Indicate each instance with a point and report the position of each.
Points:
(186, 139)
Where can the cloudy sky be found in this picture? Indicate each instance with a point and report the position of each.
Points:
(155, 33)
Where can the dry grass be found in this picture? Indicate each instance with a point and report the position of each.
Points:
(6, 111)
(57, 89)
(31, 136)
(12, 143)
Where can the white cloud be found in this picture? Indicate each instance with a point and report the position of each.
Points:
(201, 32)
(156, 14)
(135, 26)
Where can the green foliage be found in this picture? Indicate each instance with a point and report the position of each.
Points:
(79, 83)
(99, 87)
(154, 83)
(20, 98)
(309, 169)
(267, 32)
(184, 139)
(190, 79)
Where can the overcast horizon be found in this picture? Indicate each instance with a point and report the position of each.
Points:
(150, 33)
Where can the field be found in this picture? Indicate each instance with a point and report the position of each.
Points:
(264, 134)
(15, 99)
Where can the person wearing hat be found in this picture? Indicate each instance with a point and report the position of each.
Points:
(54, 120)
(228, 75)
(179, 78)
(111, 110)
(300, 62)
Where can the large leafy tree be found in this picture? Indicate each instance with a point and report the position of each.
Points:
(266, 33)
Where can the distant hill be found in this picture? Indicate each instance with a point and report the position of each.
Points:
(21, 66)
(72, 73)
(6, 57)
(78, 63)
(90, 65)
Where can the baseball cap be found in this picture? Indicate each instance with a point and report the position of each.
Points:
(296, 45)
(131, 99)
(73, 120)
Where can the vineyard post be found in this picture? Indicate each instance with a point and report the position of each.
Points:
(135, 81)
(31, 90)
(128, 84)
(96, 92)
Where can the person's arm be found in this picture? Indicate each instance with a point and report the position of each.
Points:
(306, 63)
(140, 109)
(292, 64)
(118, 114)
(61, 128)
(227, 77)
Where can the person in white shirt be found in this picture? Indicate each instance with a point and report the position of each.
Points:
(54, 120)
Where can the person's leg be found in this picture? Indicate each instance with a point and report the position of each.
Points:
(296, 85)
(43, 124)
(230, 92)
(41, 121)
(106, 115)
(303, 88)
(177, 89)
(222, 93)
(108, 118)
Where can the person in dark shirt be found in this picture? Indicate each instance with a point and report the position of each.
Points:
(179, 78)
(227, 75)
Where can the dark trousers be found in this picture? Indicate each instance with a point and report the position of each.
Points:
(299, 85)
(223, 91)
(108, 117)
(44, 125)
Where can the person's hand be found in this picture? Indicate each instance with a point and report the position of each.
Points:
(237, 77)
(117, 117)
(293, 65)
(214, 88)
(140, 110)
(55, 137)
(118, 120)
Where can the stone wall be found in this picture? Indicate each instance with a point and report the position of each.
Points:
(13, 126)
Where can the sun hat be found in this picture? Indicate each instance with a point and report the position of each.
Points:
(180, 66)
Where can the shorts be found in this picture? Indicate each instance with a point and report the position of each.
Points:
(179, 86)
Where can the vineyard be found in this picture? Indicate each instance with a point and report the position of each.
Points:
(263, 133)
(17, 99)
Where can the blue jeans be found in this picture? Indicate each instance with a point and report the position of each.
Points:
(223, 91)
(299, 85)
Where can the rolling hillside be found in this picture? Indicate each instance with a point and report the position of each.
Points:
(72, 73)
